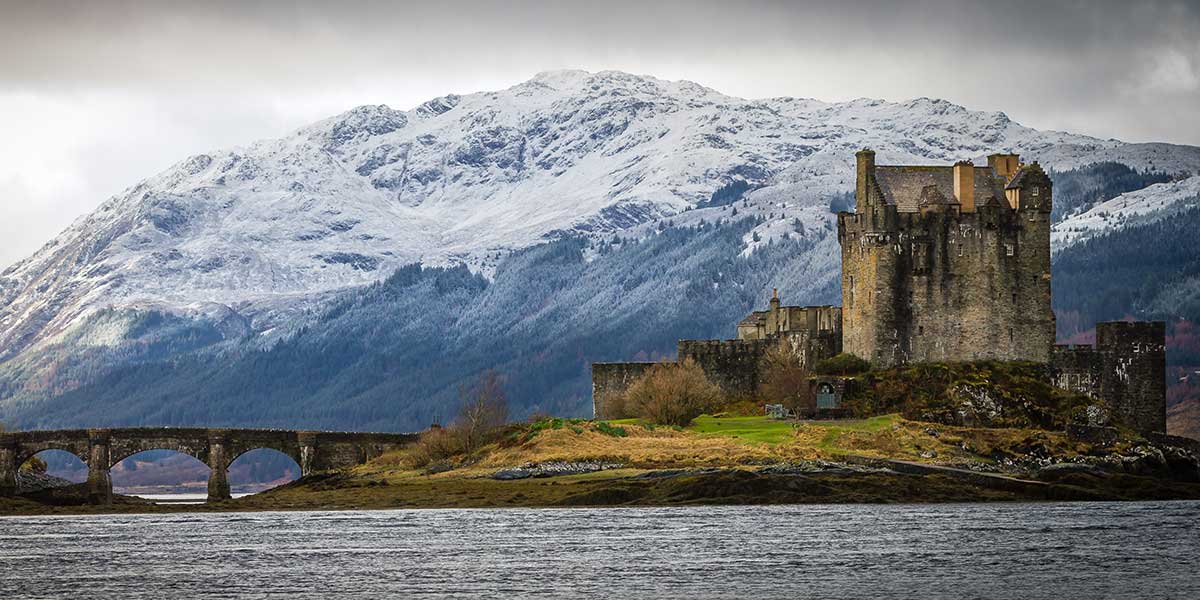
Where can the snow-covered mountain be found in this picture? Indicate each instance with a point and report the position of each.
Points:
(250, 242)
(1139, 207)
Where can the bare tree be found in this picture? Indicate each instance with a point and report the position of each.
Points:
(484, 409)
(785, 380)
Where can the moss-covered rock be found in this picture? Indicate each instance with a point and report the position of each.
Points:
(988, 394)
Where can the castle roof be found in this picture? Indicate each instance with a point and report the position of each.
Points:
(904, 186)
(1022, 175)
(932, 196)
(754, 319)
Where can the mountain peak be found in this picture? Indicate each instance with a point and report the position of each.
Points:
(559, 79)
(359, 122)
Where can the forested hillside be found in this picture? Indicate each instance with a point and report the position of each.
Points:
(393, 355)
(1076, 190)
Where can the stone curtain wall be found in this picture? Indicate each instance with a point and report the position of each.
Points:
(609, 382)
(1076, 369)
(1125, 371)
(732, 364)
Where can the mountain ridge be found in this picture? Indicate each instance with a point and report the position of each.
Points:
(243, 247)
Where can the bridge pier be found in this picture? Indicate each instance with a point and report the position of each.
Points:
(308, 451)
(8, 467)
(218, 461)
(99, 481)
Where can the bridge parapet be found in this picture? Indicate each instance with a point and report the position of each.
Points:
(101, 449)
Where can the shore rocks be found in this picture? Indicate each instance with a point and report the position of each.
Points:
(28, 481)
(552, 469)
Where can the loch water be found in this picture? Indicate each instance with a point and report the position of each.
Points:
(1062, 551)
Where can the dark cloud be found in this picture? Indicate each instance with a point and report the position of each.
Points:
(159, 80)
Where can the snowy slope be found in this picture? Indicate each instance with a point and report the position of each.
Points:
(1146, 205)
(264, 229)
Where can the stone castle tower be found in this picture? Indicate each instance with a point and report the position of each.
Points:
(947, 263)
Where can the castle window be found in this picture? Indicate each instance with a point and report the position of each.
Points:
(1034, 190)
(960, 249)
(1014, 298)
(1010, 334)
(920, 330)
(1008, 249)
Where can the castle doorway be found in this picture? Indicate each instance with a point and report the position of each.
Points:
(826, 397)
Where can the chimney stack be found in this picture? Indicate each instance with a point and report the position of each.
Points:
(865, 176)
(964, 185)
(1004, 165)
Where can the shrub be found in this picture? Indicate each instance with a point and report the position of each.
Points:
(672, 394)
(35, 465)
(480, 421)
(607, 429)
(434, 446)
(842, 364)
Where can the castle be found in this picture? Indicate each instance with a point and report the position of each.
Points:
(940, 264)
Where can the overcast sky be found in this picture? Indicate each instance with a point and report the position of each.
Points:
(96, 95)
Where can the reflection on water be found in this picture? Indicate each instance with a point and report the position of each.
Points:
(1061, 551)
(198, 498)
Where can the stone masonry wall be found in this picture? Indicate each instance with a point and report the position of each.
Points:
(609, 382)
(732, 364)
(1076, 369)
(1133, 379)
(1125, 371)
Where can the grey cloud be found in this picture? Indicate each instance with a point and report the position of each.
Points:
(206, 74)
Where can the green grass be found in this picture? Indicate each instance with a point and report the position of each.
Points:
(770, 431)
(750, 429)
(871, 424)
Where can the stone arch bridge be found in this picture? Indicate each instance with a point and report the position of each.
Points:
(101, 449)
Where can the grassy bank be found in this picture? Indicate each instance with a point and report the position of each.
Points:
(716, 460)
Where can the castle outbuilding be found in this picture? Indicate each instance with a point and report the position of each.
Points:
(941, 264)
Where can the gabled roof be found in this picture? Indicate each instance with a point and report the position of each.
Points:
(1024, 175)
(903, 186)
(754, 319)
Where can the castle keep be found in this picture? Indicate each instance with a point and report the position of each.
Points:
(947, 263)
(939, 264)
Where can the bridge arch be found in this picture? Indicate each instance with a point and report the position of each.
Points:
(260, 469)
(27, 452)
(156, 470)
(121, 449)
(61, 463)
